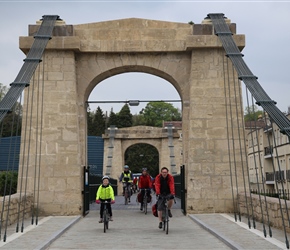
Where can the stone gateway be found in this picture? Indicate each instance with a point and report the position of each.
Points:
(79, 57)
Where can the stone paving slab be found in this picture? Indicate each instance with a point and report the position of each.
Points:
(132, 229)
(236, 234)
(39, 236)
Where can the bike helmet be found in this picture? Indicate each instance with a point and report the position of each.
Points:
(144, 169)
(106, 177)
(126, 167)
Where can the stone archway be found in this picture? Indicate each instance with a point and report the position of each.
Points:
(78, 57)
(127, 137)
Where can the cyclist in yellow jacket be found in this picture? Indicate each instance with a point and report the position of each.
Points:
(105, 193)
(127, 179)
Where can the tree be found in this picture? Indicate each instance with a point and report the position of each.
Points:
(138, 120)
(125, 118)
(8, 179)
(11, 124)
(90, 125)
(156, 112)
(113, 119)
(142, 155)
(96, 122)
(3, 90)
(252, 113)
(99, 122)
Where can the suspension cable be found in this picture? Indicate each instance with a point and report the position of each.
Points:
(14, 153)
(23, 157)
(6, 180)
(276, 184)
(28, 152)
(36, 143)
(240, 140)
(40, 139)
(229, 148)
(255, 161)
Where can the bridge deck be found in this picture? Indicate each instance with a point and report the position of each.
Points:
(132, 229)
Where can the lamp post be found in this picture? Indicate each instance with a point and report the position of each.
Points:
(133, 102)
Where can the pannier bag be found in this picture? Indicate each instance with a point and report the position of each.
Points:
(154, 210)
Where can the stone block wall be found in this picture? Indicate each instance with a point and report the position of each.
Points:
(273, 206)
(9, 212)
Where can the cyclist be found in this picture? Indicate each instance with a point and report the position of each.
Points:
(135, 184)
(164, 185)
(105, 193)
(144, 183)
(126, 178)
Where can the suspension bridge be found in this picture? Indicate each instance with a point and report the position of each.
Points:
(60, 71)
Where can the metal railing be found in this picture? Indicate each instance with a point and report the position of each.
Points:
(273, 193)
(268, 150)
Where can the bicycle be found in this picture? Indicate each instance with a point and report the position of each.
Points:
(106, 216)
(127, 191)
(165, 215)
(145, 199)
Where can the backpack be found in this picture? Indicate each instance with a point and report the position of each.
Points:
(154, 210)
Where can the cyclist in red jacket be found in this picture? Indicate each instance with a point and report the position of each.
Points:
(164, 185)
(144, 182)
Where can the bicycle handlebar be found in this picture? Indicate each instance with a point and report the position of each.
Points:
(106, 202)
(167, 197)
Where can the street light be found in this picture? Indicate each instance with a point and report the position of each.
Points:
(133, 102)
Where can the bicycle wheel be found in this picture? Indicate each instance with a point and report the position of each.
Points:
(167, 222)
(105, 220)
(108, 219)
(145, 203)
(126, 196)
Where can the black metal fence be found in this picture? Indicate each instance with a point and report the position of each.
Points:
(95, 181)
(273, 193)
(180, 191)
(177, 185)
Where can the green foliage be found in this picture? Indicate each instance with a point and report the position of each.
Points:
(8, 180)
(90, 125)
(11, 124)
(96, 122)
(3, 90)
(113, 119)
(125, 118)
(140, 156)
(138, 120)
(156, 112)
(252, 113)
(99, 122)
(153, 115)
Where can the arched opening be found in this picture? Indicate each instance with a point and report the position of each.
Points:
(125, 86)
(142, 155)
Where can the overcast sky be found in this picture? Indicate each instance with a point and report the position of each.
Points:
(266, 25)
